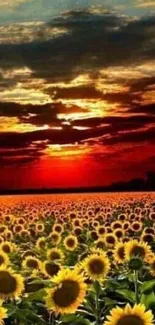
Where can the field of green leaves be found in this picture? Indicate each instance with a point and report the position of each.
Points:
(77, 259)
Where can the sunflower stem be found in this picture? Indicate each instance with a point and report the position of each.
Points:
(97, 311)
(136, 286)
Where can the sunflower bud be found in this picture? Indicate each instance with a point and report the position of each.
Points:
(135, 263)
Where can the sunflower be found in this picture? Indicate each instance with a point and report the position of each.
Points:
(70, 242)
(148, 238)
(136, 248)
(39, 227)
(77, 231)
(152, 216)
(55, 237)
(21, 221)
(130, 316)
(96, 265)
(136, 226)
(11, 284)
(8, 218)
(116, 225)
(50, 269)
(95, 224)
(132, 217)
(119, 252)
(41, 243)
(24, 233)
(7, 247)
(119, 233)
(69, 292)
(122, 217)
(76, 222)
(101, 230)
(3, 313)
(3, 228)
(110, 240)
(55, 254)
(58, 228)
(149, 230)
(4, 260)
(8, 235)
(94, 235)
(31, 262)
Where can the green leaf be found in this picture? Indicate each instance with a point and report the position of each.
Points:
(112, 284)
(69, 318)
(75, 319)
(127, 294)
(147, 285)
(29, 316)
(41, 281)
(109, 302)
(11, 309)
(148, 300)
(38, 295)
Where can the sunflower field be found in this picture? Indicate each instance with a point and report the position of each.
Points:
(77, 259)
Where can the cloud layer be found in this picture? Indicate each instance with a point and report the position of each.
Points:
(81, 83)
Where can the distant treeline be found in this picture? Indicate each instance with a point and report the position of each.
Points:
(134, 185)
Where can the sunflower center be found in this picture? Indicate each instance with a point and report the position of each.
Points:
(117, 225)
(70, 242)
(54, 237)
(58, 228)
(52, 269)
(130, 319)
(77, 231)
(6, 248)
(137, 227)
(110, 240)
(121, 252)
(138, 251)
(42, 243)
(32, 263)
(148, 238)
(55, 256)
(101, 231)
(7, 283)
(96, 266)
(66, 294)
(119, 233)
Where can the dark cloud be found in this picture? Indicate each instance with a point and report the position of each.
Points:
(65, 136)
(38, 114)
(146, 109)
(116, 123)
(93, 41)
(68, 135)
(132, 137)
(84, 92)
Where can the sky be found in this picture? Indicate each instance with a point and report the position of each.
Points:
(77, 92)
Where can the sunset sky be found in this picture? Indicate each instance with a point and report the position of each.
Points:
(77, 92)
